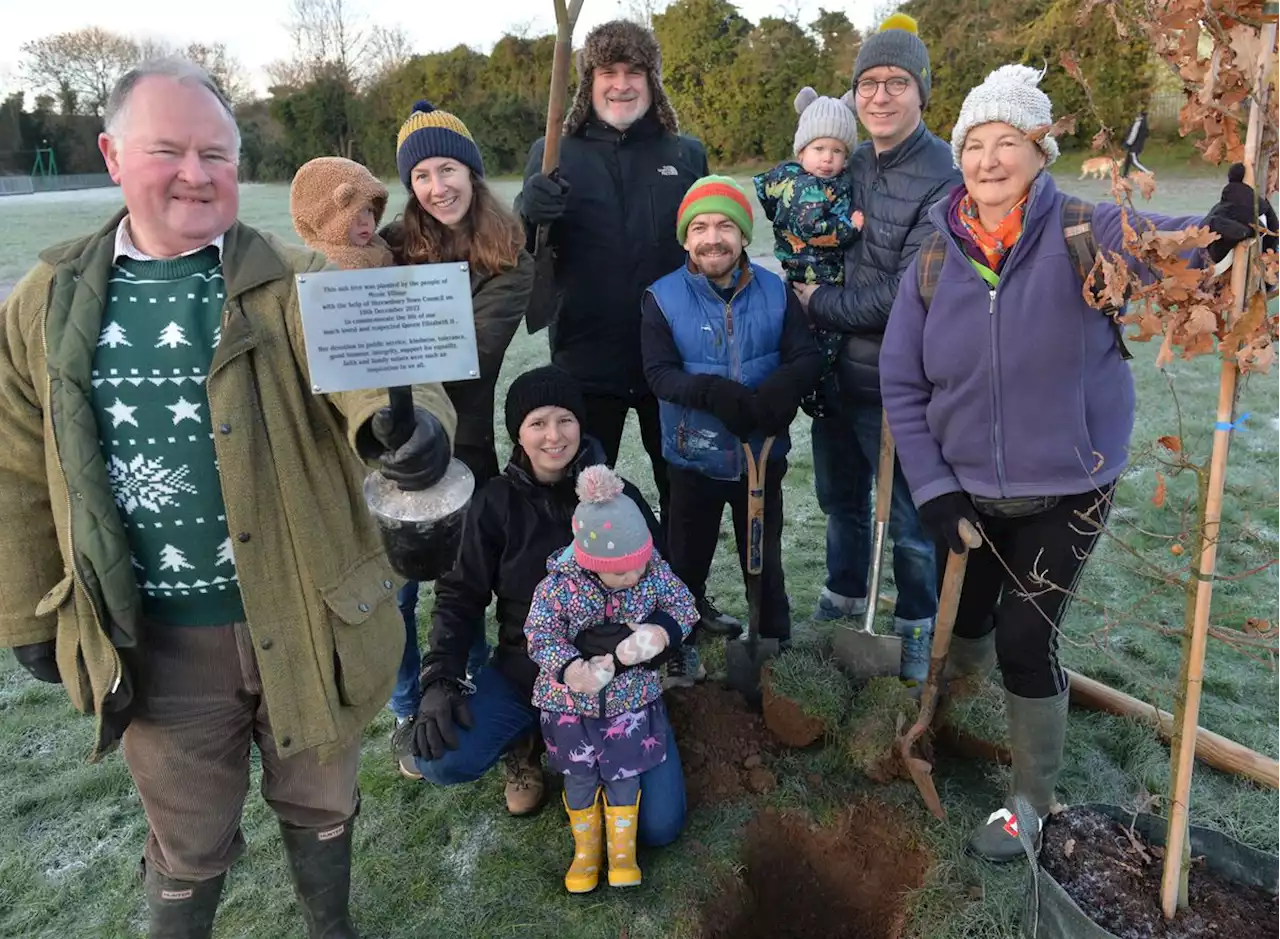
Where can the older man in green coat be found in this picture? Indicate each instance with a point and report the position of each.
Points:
(185, 543)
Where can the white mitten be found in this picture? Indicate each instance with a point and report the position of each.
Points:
(588, 676)
(645, 641)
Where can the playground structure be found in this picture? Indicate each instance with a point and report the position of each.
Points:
(46, 163)
(44, 176)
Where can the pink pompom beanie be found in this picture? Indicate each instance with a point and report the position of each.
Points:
(610, 535)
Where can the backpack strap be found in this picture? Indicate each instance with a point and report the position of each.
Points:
(1082, 248)
(930, 257)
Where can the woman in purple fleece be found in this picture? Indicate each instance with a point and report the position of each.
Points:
(1012, 406)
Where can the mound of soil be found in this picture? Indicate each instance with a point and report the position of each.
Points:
(722, 744)
(971, 722)
(785, 718)
(879, 707)
(871, 748)
(847, 881)
(1116, 881)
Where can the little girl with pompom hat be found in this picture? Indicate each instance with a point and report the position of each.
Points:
(602, 714)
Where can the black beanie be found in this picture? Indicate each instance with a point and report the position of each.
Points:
(545, 386)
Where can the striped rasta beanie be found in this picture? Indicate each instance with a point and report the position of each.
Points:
(430, 132)
(715, 194)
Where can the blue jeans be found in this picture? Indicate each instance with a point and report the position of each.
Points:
(846, 451)
(500, 716)
(405, 695)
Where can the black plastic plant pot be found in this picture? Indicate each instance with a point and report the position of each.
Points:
(421, 529)
(1051, 913)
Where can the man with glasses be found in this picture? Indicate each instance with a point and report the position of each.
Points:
(896, 176)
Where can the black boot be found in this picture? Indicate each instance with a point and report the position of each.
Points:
(181, 909)
(320, 865)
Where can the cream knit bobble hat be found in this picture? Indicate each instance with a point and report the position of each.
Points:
(1010, 94)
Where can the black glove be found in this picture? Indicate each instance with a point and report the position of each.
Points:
(605, 638)
(421, 461)
(1235, 215)
(733, 404)
(601, 639)
(441, 711)
(40, 660)
(940, 518)
(775, 405)
(544, 198)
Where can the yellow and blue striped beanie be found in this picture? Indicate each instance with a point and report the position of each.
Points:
(430, 132)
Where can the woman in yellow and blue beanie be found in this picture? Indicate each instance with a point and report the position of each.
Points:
(430, 132)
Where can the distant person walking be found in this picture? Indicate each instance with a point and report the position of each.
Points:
(1134, 142)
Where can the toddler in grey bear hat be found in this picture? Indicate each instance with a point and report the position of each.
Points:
(810, 202)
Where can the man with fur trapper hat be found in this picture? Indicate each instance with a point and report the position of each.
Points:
(611, 206)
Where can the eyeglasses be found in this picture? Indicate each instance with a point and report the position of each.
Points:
(895, 86)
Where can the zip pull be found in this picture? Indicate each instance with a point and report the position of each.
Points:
(992, 308)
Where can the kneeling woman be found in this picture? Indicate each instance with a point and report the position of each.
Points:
(1011, 404)
(518, 521)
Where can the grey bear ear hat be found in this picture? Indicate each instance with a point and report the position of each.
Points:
(825, 117)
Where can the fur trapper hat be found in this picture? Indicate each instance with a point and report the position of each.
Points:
(620, 41)
(326, 195)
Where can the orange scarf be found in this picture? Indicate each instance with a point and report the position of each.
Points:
(994, 244)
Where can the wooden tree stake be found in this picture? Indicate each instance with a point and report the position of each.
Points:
(1211, 749)
(542, 301)
(1173, 886)
(566, 18)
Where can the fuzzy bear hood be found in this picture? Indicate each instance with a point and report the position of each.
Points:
(326, 195)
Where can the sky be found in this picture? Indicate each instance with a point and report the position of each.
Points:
(254, 30)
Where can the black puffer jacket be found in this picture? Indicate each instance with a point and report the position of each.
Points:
(894, 192)
(617, 236)
(513, 525)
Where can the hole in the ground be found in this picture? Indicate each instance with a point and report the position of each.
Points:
(847, 880)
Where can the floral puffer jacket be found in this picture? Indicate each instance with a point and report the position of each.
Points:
(570, 600)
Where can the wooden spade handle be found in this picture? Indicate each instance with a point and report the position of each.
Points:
(884, 473)
(948, 607)
(755, 504)
(566, 18)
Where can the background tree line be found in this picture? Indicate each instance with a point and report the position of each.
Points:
(346, 86)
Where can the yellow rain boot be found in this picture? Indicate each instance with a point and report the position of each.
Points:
(584, 872)
(620, 828)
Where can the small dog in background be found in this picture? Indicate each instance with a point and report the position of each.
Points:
(1098, 167)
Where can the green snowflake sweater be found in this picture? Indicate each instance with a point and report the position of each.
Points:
(160, 328)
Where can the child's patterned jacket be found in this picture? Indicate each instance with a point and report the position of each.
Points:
(812, 221)
(570, 600)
